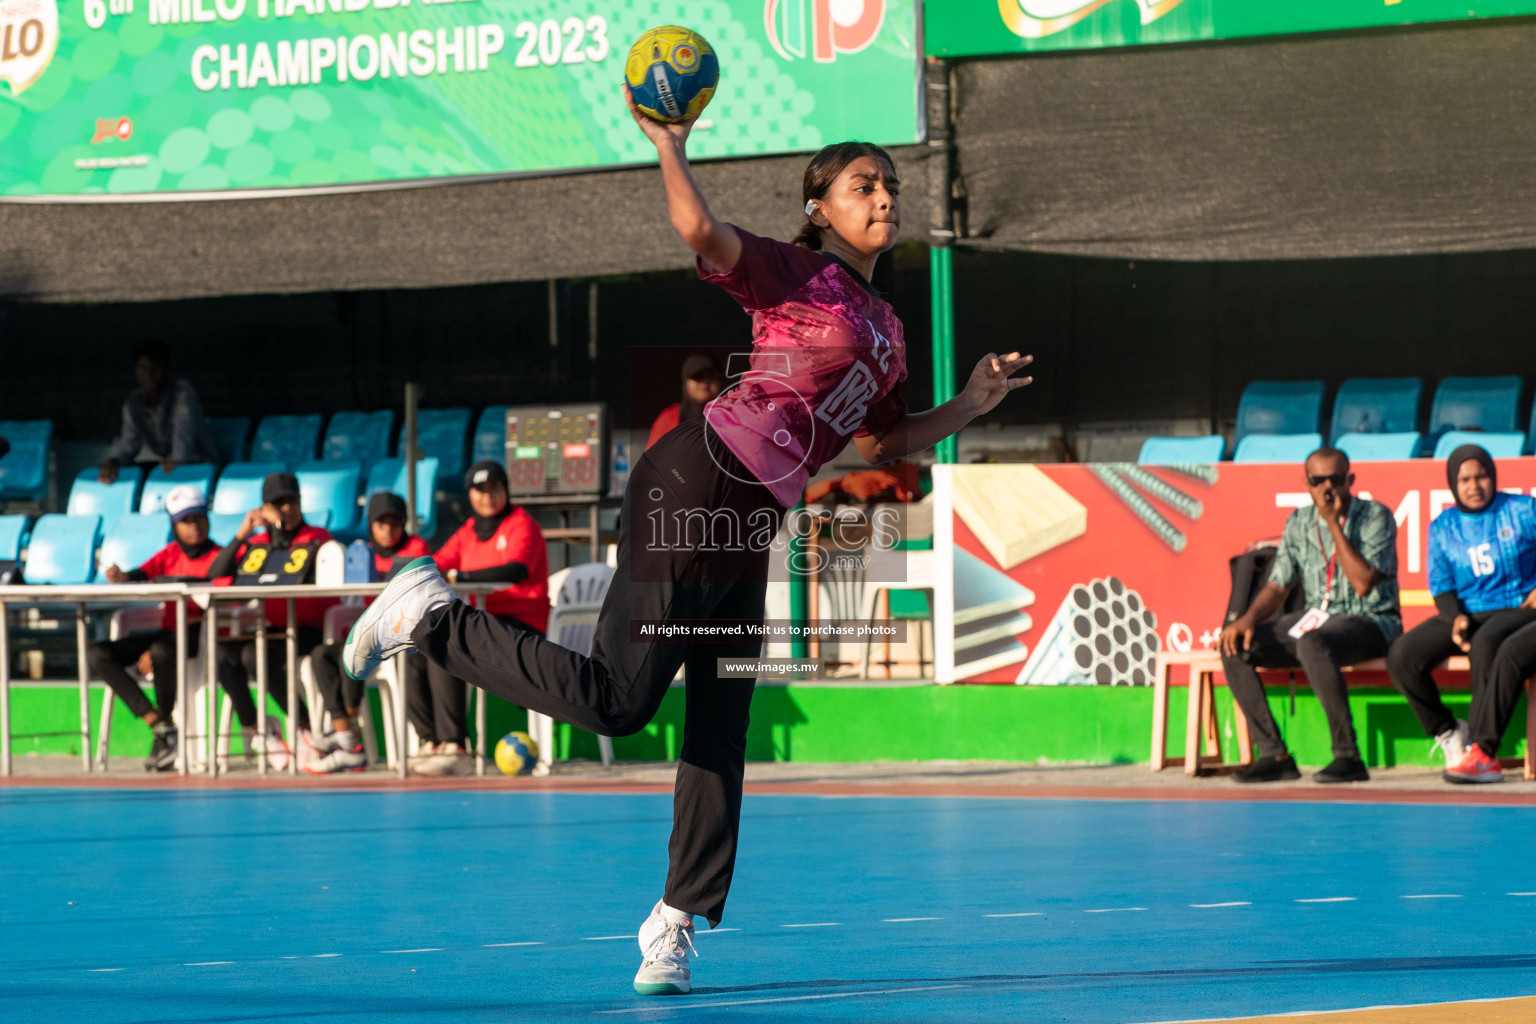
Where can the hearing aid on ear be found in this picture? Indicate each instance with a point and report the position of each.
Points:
(810, 207)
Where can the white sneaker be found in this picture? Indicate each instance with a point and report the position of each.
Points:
(1453, 743)
(385, 628)
(664, 946)
(447, 759)
(273, 743)
(338, 759)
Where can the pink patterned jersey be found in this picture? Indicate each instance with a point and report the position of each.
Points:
(828, 363)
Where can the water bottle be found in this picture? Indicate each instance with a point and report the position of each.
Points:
(359, 564)
(620, 472)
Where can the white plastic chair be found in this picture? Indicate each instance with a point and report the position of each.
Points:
(579, 592)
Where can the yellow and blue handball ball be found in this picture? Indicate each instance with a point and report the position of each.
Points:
(516, 753)
(672, 73)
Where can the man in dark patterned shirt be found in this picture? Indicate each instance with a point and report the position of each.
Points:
(1343, 551)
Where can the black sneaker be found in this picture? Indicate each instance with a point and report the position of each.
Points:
(1269, 769)
(1343, 769)
(162, 756)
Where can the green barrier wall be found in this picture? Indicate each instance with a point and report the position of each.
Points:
(1090, 725)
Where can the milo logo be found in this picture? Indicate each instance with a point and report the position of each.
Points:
(1034, 19)
(29, 34)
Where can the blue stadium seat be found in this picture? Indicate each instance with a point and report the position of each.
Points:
(286, 439)
(24, 469)
(1277, 447)
(491, 435)
(63, 549)
(1499, 444)
(129, 541)
(159, 483)
(1476, 403)
(443, 434)
(1280, 407)
(222, 526)
(239, 488)
(89, 497)
(13, 535)
(233, 434)
(389, 475)
(330, 489)
(363, 436)
(1378, 447)
(1382, 405)
(1174, 451)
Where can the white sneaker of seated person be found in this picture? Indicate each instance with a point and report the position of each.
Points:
(447, 759)
(273, 743)
(666, 938)
(385, 628)
(340, 756)
(1453, 742)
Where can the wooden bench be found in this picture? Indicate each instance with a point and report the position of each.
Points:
(1202, 725)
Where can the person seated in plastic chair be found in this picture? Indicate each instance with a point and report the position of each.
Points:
(162, 418)
(342, 750)
(1482, 573)
(1343, 550)
(188, 557)
(498, 544)
(283, 553)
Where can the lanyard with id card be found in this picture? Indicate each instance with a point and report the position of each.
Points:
(1315, 617)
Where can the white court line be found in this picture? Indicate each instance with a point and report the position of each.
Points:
(782, 999)
(1114, 910)
(1520, 894)
(604, 938)
(1234, 903)
(209, 963)
(295, 956)
(1329, 899)
(429, 949)
(1435, 896)
(1027, 913)
(499, 945)
(322, 956)
(717, 931)
(102, 970)
(899, 920)
(815, 924)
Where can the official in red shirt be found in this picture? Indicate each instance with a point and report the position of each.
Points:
(498, 544)
(283, 552)
(702, 381)
(189, 556)
(342, 750)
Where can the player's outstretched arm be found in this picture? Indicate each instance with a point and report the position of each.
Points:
(717, 242)
(992, 378)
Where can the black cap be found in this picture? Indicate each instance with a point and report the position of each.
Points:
(385, 503)
(279, 485)
(700, 366)
(486, 471)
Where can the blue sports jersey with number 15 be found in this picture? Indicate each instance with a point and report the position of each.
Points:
(1488, 559)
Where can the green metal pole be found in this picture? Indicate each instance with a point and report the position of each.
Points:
(799, 587)
(941, 265)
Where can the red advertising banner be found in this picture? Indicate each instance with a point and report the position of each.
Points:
(1077, 574)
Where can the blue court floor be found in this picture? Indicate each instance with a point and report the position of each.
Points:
(259, 905)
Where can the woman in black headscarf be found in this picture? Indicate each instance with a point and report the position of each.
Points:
(1482, 573)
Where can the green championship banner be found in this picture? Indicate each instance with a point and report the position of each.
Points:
(966, 28)
(133, 97)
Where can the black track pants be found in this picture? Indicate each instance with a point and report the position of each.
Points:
(339, 692)
(664, 574)
(1341, 641)
(110, 659)
(237, 670)
(1503, 654)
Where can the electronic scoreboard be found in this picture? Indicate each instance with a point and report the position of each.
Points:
(557, 451)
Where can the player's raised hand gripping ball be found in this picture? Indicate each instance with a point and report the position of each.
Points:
(672, 73)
